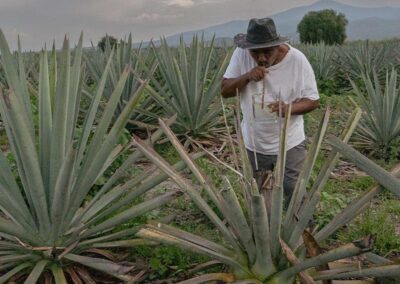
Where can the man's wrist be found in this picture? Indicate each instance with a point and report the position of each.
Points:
(248, 78)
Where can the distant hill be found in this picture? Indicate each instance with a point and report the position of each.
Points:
(364, 23)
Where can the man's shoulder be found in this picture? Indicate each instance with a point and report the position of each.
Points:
(240, 52)
(297, 54)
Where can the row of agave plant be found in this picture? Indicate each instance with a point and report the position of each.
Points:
(370, 70)
(185, 81)
(51, 226)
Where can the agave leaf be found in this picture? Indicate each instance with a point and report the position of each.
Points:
(101, 131)
(95, 162)
(11, 71)
(90, 117)
(125, 243)
(376, 259)
(58, 274)
(377, 271)
(7, 266)
(26, 156)
(211, 277)
(263, 266)
(375, 171)
(53, 75)
(58, 135)
(24, 83)
(193, 193)
(36, 272)
(277, 192)
(305, 215)
(348, 250)
(131, 213)
(103, 202)
(84, 275)
(166, 229)
(158, 236)
(199, 174)
(330, 162)
(75, 92)
(11, 198)
(352, 210)
(134, 191)
(104, 265)
(121, 171)
(235, 214)
(110, 237)
(13, 271)
(61, 195)
(74, 276)
(45, 119)
(300, 189)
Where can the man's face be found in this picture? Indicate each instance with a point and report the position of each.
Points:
(264, 56)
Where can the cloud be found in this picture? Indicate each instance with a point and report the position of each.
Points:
(180, 3)
(154, 17)
(191, 3)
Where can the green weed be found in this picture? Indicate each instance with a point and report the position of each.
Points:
(383, 222)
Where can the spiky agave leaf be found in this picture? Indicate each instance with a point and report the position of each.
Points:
(49, 221)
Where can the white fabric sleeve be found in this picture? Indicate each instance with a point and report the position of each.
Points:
(310, 89)
(233, 69)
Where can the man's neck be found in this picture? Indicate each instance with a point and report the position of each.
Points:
(282, 50)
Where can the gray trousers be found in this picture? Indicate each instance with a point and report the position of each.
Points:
(294, 162)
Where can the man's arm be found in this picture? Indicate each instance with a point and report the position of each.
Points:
(229, 86)
(300, 106)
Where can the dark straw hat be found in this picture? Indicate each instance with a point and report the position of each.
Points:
(261, 33)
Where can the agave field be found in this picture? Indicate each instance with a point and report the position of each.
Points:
(124, 165)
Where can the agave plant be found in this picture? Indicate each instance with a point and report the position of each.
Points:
(141, 61)
(52, 223)
(322, 58)
(380, 125)
(190, 87)
(364, 57)
(262, 243)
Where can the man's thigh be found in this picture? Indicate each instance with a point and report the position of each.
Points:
(294, 160)
(264, 162)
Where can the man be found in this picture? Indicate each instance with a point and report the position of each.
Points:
(268, 73)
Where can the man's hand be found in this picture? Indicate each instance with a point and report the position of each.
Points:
(257, 73)
(299, 107)
(230, 86)
(275, 106)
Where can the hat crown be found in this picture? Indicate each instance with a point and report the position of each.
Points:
(261, 31)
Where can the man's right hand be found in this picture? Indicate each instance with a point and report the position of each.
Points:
(257, 73)
(230, 86)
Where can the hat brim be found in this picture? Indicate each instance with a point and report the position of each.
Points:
(241, 41)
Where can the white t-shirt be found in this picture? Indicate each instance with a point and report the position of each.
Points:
(291, 79)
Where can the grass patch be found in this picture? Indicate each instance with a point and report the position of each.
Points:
(381, 221)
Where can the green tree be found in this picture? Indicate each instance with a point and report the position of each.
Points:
(323, 26)
(103, 42)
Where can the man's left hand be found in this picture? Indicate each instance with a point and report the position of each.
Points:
(275, 106)
(299, 107)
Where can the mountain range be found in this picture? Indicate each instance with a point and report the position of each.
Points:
(364, 23)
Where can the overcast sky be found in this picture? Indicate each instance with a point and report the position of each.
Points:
(40, 21)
